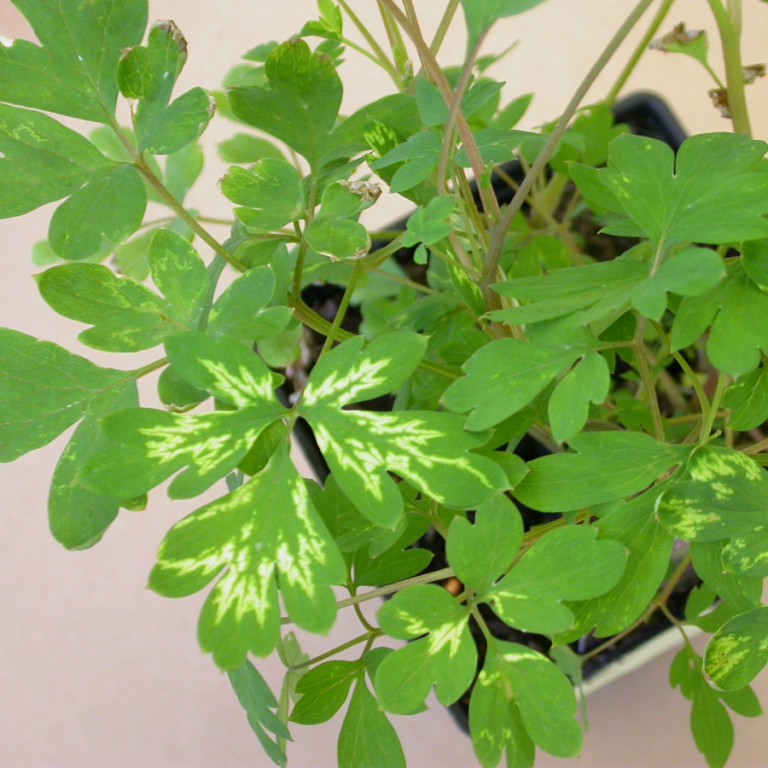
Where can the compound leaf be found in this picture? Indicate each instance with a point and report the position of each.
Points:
(502, 377)
(738, 652)
(42, 161)
(110, 208)
(566, 564)
(44, 389)
(323, 690)
(445, 655)
(302, 101)
(264, 528)
(607, 466)
(73, 71)
(526, 700)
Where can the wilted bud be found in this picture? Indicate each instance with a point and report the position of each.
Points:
(719, 98)
(752, 71)
(678, 36)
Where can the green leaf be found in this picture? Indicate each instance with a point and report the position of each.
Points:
(78, 517)
(497, 534)
(418, 158)
(735, 342)
(42, 161)
(712, 192)
(522, 697)
(710, 723)
(260, 706)
(690, 272)
(445, 657)
(179, 274)
(587, 382)
(742, 592)
(367, 738)
(596, 290)
(633, 525)
(148, 446)
(481, 15)
(748, 399)
(302, 101)
(738, 652)
(73, 72)
(566, 564)
(430, 224)
(265, 532)
(690, 42)
(44, 389)
(338, 238)
(428, 449)
(180, 124)
(502, 377)
(242, 311)
(110, 208)
(243, 149)
(607, 466)
(323, 690)
(126, 316)
(272, 191)
(725, 497)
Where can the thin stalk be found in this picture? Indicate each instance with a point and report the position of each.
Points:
(145, 370)
(713, 409)
(437, 76)
(638, 53)
(729, 27)
(443, 26)
(377, 50)
(357, 273)
(334, 651)
(499, 231)
(186, 217)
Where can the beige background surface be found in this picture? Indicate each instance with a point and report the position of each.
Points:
(98, 672)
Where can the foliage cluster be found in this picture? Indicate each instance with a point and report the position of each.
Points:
(642, 375)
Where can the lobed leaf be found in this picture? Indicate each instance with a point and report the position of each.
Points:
(44, 389)
(74, 70)
(446, 657)
(738, 651)
(263, 536)
(606, 466)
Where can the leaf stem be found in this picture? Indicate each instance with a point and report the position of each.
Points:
(640, 51)
(336, 651)
(499, 231)
(729, 26)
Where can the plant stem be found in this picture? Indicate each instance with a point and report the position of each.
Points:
(499, 231)
(639, 52)
(437, 76)
(443, 26)
(729, 26)
(335, 651)
(186, 217)
(379, 56)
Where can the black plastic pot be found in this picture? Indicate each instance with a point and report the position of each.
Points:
(646, 115)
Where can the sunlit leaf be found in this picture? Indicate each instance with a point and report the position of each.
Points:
(77, 516)
(302, 101)
(566, 564)
(73, 71)
(264, 533)
(502, 377)
(714, 191)
(724, 497)
(606, 466)
(445, 655)
(44, 389)
(497, 533)
(42, 161)
(521, 698)
(738, 652)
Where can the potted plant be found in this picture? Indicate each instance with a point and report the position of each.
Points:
(637, 368)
